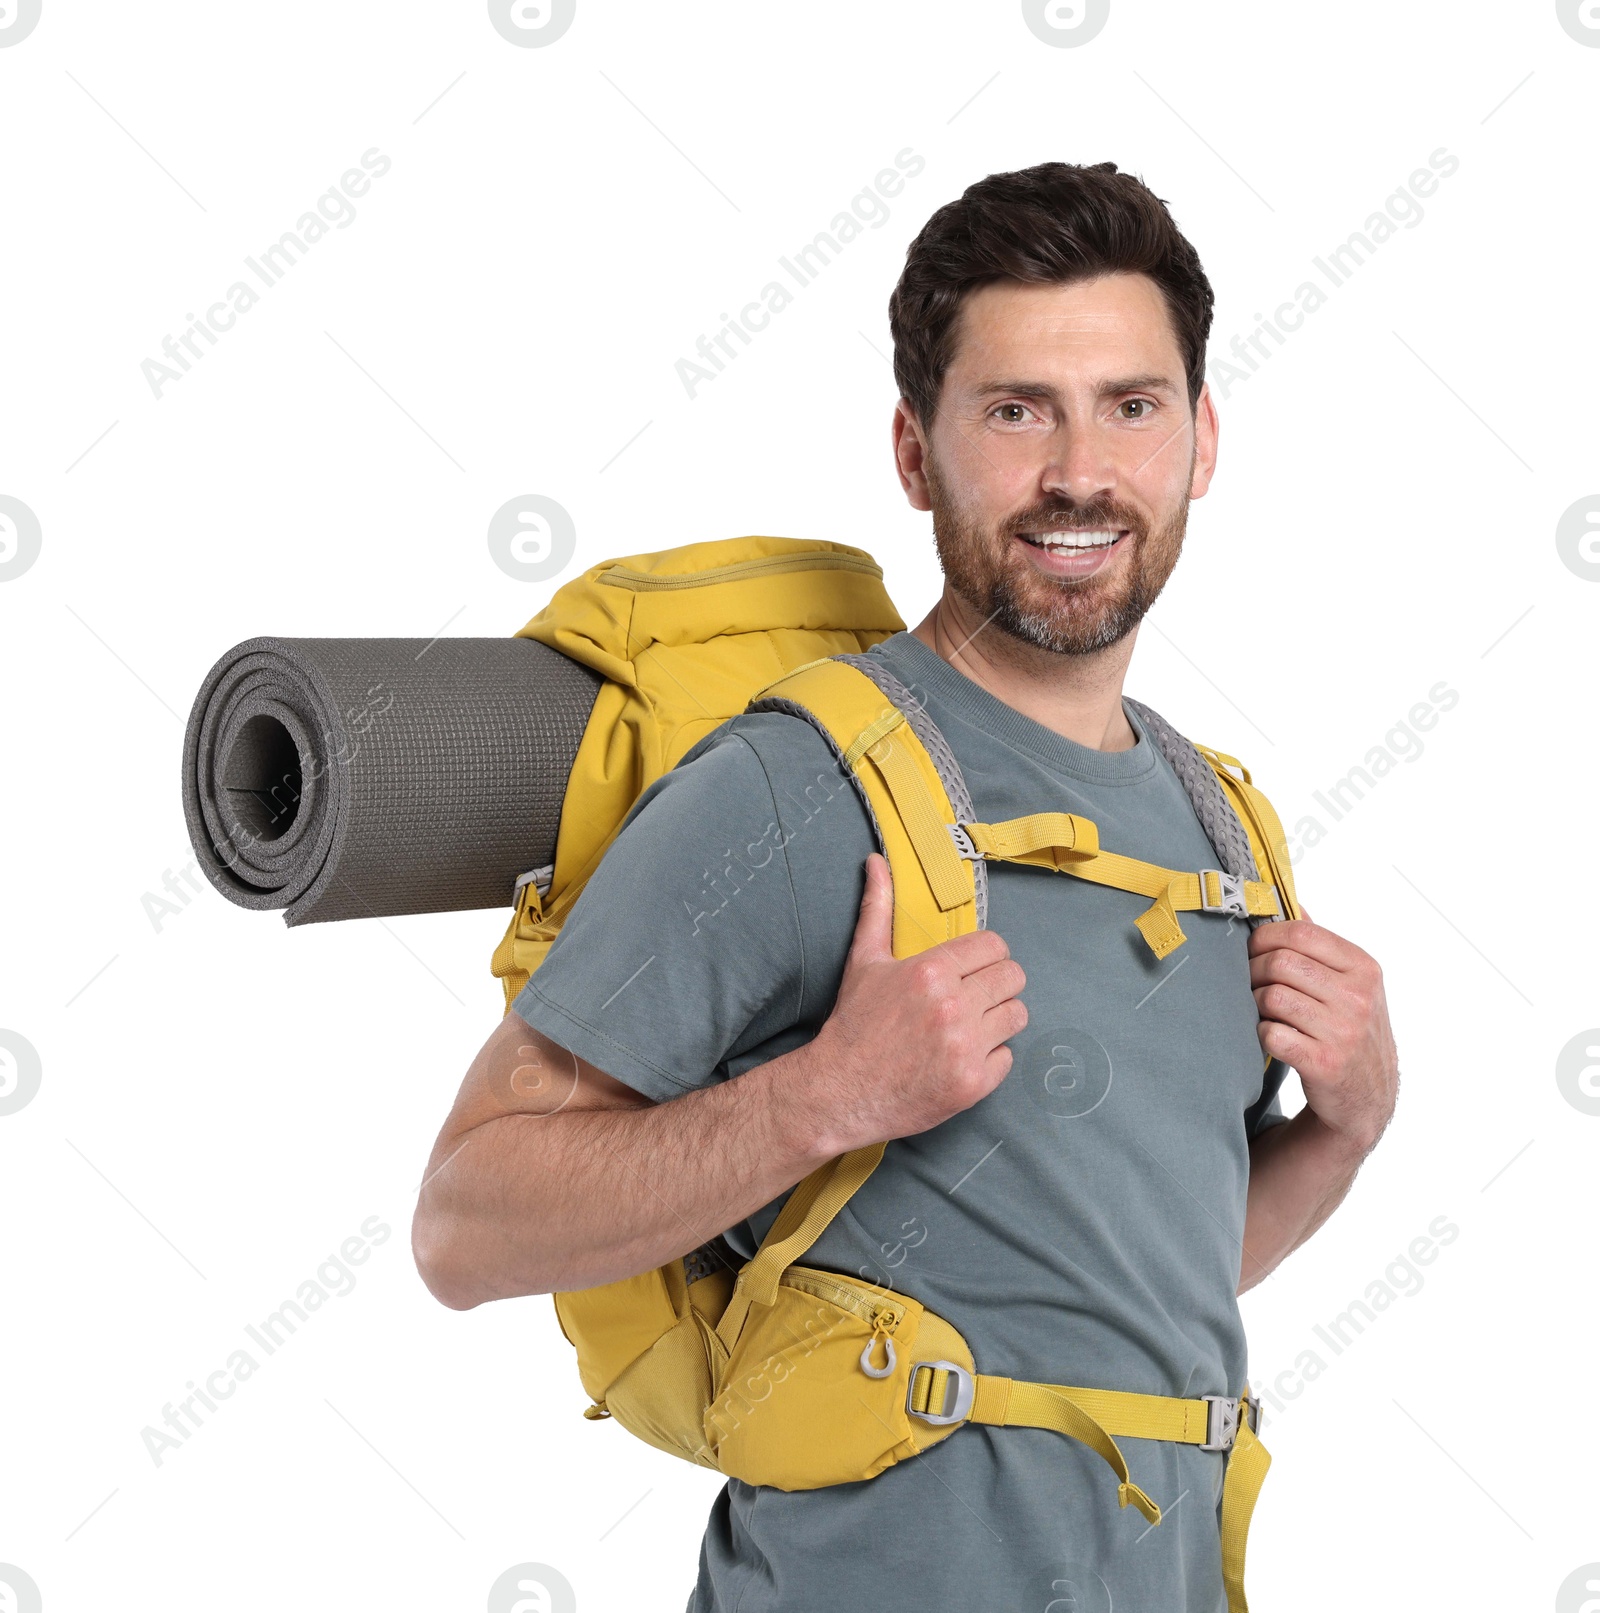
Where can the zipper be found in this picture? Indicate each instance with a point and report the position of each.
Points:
(768, 566)
(846, 1296)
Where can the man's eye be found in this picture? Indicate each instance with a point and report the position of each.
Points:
(1143, 404)
(1012, 412)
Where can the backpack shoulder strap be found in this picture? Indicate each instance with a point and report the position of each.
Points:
(1238, 819)
(886, 746)
(1261, 823)
(877, 746)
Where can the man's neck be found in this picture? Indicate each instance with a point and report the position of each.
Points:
(1076, 696)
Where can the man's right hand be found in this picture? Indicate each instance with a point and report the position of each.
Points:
(549, 1174)
(911, 1041)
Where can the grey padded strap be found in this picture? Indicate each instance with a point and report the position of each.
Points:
(1211, 806)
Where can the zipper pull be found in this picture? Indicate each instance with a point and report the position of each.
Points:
(883, 1324)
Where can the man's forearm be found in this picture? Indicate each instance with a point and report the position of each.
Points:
(534, 1204)
(1299, 1173)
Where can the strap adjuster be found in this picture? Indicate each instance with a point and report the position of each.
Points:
(964, 846)
(1230, 893)
(958, 1392)
(1222, 1421)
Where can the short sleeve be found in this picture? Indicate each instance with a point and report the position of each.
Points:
(1267, 1110)
(688, 947)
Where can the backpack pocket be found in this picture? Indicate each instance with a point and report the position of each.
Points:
(814, 1391)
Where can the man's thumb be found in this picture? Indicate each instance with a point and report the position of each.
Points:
(875, 928)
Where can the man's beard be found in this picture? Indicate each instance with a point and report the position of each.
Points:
(1064, 615)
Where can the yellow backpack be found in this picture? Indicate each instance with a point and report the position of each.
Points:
(780, 1373)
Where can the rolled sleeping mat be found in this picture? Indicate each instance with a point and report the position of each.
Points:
(341, 778)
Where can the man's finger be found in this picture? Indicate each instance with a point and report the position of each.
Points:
(997, 983)
(1284, 1042)
(1296, 969)
(976, 951)
(875, 926)
(1315, 942)
(1292, 1008)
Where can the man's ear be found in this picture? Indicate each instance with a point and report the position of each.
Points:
(910, 455)
(1206, 430)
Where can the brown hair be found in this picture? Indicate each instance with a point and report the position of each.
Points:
(1052, 224)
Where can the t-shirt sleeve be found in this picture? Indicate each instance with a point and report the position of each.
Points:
(1267, 1110)
(688, 947)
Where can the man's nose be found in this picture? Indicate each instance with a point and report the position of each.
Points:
(1079, 466)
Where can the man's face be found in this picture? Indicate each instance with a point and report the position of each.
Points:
(1061, 462)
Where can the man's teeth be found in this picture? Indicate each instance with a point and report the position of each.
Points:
(1072, 540)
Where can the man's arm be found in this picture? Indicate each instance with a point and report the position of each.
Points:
(1323, 1013)
(550, 1175)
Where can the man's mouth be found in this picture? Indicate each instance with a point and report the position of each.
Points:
(1074, 553)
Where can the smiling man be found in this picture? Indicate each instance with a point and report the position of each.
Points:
(1085, 1163)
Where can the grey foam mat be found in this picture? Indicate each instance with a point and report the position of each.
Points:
(360, 778)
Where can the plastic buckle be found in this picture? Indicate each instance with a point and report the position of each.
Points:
(957, 1404)
(1252, 1414)
(1230, 894)
(964, 845)
(1222, 1422)
(540, 878)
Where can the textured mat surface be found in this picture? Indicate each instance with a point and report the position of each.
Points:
(357, 778)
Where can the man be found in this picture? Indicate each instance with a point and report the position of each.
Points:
(1086, 1165)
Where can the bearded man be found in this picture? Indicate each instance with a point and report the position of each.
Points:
(1086, 1164)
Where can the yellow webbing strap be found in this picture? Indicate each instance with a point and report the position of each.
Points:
(933, 886)
(1095, 1415)
(893, 757)
(1047, 839)
(1248, 1462)
(1071, 845)
(802, 1220)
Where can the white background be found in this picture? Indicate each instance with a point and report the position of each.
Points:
(225, 1101)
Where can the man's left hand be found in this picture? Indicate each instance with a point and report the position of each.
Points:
(1323, 1012)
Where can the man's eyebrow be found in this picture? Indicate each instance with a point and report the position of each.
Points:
(1112, 388)
(1138, 383)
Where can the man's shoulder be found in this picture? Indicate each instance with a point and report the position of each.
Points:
(790, 756)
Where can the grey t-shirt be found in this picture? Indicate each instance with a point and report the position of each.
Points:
(1082, 1224)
